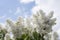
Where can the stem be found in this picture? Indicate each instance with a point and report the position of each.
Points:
(42, 36)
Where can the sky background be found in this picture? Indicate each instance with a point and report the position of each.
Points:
(15, 8)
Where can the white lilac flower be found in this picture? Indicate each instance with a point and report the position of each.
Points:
(0, 27)
(7, 37)
(16, 27)
(29, 25)
(12, 26)
(50, 15)
(39, 22)
(55, 35)
(52, 21)
(44, 23)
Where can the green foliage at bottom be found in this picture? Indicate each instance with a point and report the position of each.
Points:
(35, 36)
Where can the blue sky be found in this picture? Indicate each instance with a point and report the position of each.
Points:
(14, 8)
(8, 9)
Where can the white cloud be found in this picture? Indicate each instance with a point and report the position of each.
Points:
(42, 2)
(41, 7)
(45, 5)
(26, 1)
(58, 31)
